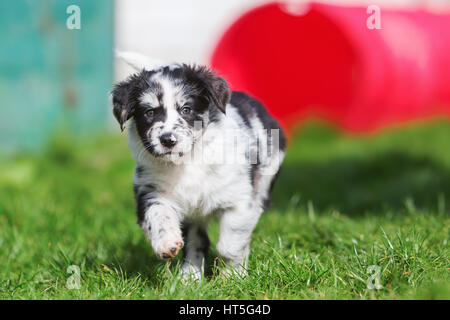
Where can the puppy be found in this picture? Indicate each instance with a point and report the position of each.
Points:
(200, 150)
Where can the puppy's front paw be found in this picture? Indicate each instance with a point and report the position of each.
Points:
(167, 244)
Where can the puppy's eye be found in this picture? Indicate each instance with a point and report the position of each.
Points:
(150, 113)
(186, 110)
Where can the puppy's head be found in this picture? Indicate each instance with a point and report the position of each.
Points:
(170, 106)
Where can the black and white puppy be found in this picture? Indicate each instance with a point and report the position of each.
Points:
(200, 150)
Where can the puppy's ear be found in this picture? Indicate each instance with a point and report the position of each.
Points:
(122, 102)
(216, 87)
(220, 93)
(139, 61)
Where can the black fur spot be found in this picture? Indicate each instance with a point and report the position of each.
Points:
(144, 200)
(186, 227)
(248, 108)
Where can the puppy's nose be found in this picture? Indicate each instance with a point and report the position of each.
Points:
(168, 140)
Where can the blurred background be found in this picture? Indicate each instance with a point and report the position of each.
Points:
(52, 77)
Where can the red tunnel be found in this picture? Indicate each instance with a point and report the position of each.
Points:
(327, 62)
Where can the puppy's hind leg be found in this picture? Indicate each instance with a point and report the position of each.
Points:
(236, 227)
(195, 250)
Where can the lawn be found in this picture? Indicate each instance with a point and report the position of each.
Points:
(345, 210)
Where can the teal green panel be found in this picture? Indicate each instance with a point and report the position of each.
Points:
(52, 77)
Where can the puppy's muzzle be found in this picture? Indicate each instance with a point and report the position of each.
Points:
(168, 140)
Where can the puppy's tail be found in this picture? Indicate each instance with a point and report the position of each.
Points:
(139, 61)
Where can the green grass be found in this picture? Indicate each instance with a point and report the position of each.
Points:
(341, 204)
